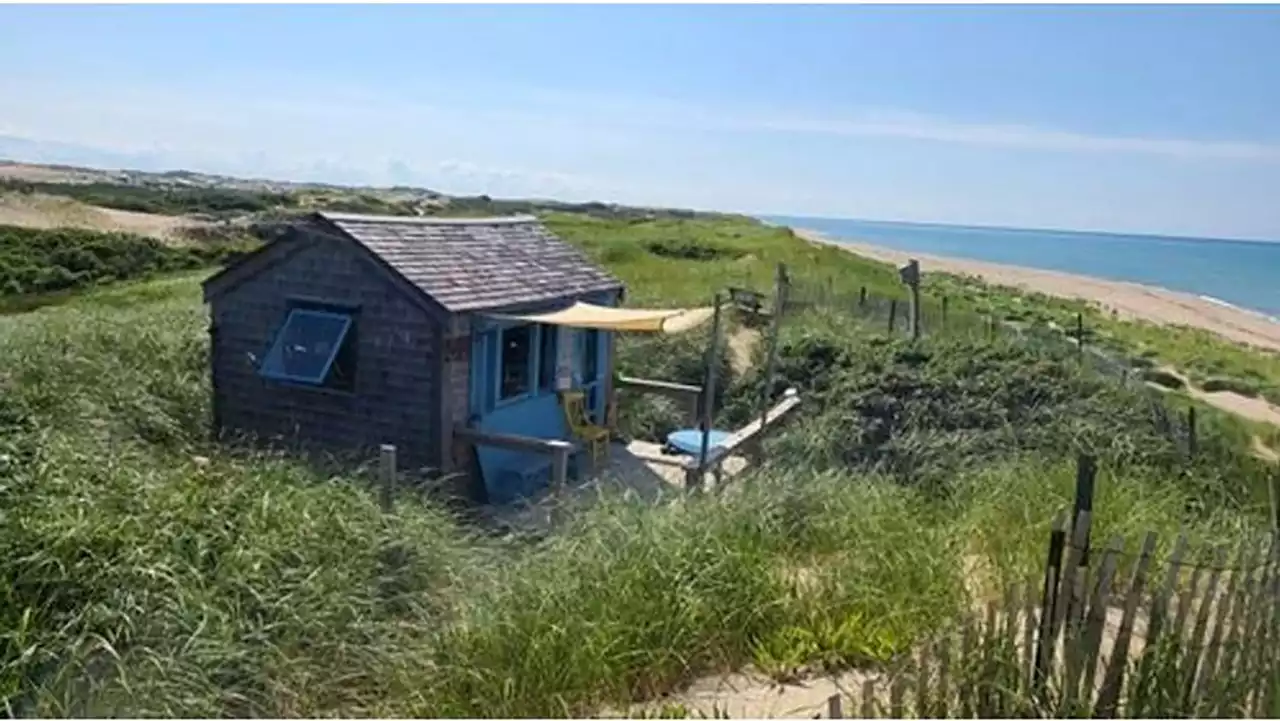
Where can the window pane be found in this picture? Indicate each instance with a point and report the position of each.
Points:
(306, 346)
(591, 357)
(516, 348)
(547, 358)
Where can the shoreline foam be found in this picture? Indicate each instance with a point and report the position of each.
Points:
(1127, 299)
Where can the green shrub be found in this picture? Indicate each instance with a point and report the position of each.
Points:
(691, 249)
(1233, 385)
(36, 261)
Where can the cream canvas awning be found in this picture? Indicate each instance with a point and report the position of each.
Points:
(586, 315)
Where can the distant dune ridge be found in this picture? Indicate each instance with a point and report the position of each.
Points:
(1129, 300)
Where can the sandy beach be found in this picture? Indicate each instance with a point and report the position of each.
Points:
(1129, 300)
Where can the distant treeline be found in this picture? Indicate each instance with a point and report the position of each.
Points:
(35, 261)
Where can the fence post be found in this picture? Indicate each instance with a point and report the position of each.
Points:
(1191, 431)
(862, 296)
(1080, 337)
(1086, 474)
(893, 314)
(713, 363)
(1048, 603)
(944, 312)
(781, 291)
(387, 468)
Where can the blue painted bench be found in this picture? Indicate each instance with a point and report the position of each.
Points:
(528, 474)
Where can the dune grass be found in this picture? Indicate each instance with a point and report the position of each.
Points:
(150, 571)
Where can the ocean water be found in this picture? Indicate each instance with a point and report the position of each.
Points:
(1245, 274)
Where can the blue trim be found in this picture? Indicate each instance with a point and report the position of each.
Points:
(531, 365)
(274, 348)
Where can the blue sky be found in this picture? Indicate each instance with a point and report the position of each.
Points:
(1138, 119)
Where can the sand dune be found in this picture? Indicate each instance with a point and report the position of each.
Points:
(1129, 300)
(47, 211)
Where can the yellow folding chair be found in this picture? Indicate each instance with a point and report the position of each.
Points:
(596, 437)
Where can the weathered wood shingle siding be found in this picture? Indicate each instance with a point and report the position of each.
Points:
(397, 388)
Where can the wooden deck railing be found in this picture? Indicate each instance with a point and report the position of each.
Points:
(690, 396)
(557, 449)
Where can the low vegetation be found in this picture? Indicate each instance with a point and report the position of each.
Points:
(36, 262)
(1203, 356)
(148, 570)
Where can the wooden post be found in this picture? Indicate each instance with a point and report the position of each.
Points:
(1048, 607)
(944, 312)
(910, 275)
(560, 465)
(781, 291)
(1086, 473)
(1191, 431)
(387, 468)
(833, 706)
(709, 398)
(1080, 336)
(862, 296)
(893, 314)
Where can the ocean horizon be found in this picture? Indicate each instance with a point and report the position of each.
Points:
(1240, 273)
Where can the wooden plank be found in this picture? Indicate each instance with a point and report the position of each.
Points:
(965, 670)
(387, 470)
(1086, 478)
(1109, 695)
(1185, 601)
(1233, 663)
(679, 391)
(1209, 665)
(1261, 631)
(1049, 594)
(1156, 619)
(1267, 697)
(1096, 619)
(1066, 597)
(987, 651)
(1196, 642)
(942, 708)
(478, 437)
(869, 698)
(1073, 636)
(790, 402)
(897, 689)
(922, 684)
(1028, 637)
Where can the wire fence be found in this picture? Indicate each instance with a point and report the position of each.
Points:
(938, 317)
(1130, 631)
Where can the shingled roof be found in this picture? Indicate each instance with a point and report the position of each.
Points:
(463, 264)
(469, 264)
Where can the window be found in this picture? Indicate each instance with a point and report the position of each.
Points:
(590, 363)
(313, 347)
(547, 358)
(516, 362)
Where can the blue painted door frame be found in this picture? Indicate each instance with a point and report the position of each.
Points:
(536, 413)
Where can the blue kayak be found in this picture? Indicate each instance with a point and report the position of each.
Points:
(689, 440)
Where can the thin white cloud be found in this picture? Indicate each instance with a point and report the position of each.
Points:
(1024, 137)
(900, 124)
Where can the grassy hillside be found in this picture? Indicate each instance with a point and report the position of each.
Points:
(147, 570)
(40, 266)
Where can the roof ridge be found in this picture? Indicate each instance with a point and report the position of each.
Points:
(428, 220)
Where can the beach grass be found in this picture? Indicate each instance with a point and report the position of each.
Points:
(148, 570)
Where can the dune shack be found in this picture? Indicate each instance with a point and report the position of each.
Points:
(445, 337)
